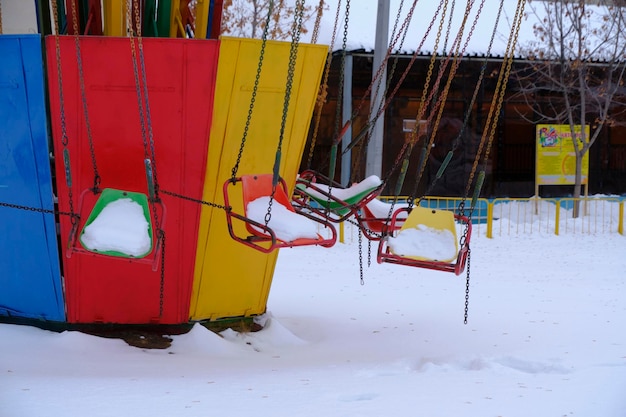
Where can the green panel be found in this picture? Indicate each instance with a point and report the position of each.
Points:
(163, 18)
(110, 195)
(149, 24)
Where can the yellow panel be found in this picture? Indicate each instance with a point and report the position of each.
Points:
(176, 23)
(231, 279)
(436, 219)
(202, 18)
(114, 18)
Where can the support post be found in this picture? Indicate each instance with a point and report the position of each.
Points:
(346, 158)
(375, 145)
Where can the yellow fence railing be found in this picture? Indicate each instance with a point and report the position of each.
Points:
(518, 216)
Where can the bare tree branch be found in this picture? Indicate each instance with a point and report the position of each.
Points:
(246, 18)
(576, 67)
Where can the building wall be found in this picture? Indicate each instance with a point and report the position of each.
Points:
(510, 165)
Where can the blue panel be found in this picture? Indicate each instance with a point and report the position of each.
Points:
(30, 278)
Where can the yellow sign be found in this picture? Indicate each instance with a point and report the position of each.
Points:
(556, 160)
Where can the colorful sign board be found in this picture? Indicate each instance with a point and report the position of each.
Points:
(556, 159)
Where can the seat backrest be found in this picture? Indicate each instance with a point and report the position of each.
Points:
(434, 219)
(256, 186)
(437, 219)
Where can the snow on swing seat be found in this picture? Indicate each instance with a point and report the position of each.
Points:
(286, 224)
(119, 227)
(426, 243)
(350, 195)
(286, 227)
(375, 217)
(380, 209)
(428, 235)
(331, 196)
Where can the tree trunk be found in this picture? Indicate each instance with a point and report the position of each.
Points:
(578, 184)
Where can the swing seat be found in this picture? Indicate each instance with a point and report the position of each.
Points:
(119, 225)
(427, 239)
(330, 196)
(256, 191)
(375, 222)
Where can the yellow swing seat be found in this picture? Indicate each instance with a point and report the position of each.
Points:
(427, 239)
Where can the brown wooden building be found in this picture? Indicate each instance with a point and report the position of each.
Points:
(510, 170)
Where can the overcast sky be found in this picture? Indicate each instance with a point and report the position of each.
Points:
(362, 24)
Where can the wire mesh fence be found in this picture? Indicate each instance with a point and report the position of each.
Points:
(492, 218)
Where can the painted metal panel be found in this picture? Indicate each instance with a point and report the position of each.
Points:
(181, 79)
(233, 280)
(114, 17)
(30, 278)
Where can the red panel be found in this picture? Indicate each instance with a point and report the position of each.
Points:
(94, 20)
(69, 16)
(181, 80)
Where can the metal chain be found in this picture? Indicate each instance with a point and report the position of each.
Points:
(161, 233)
(504, 75)
(293, 56)
(467, 287)
(333, 151)
(445, 42)
(142, 61)
(342, 71)
(470, 106)
(143, 100)
(383, 64)
(195, 200)
(395, 34)
(498, 97)
(400, 155)
(369, 233)
(64, 138)
(83, 95)
(509, 62)
(140, 97)
(146, 130)
(321, 97)
(318, 21)
(361, 257)
(38, 210)
(429, 73)
(457, 141)
(255, 88)
(405, 152)
(426, 100)
(398, 84)
(439, 104)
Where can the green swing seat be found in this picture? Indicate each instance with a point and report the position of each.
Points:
(331, 196)
(108, 196)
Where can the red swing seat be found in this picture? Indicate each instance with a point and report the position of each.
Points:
(375, 226)
(260, 236)
(437, 219)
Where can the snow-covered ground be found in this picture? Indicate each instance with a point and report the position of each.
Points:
(545, 337)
